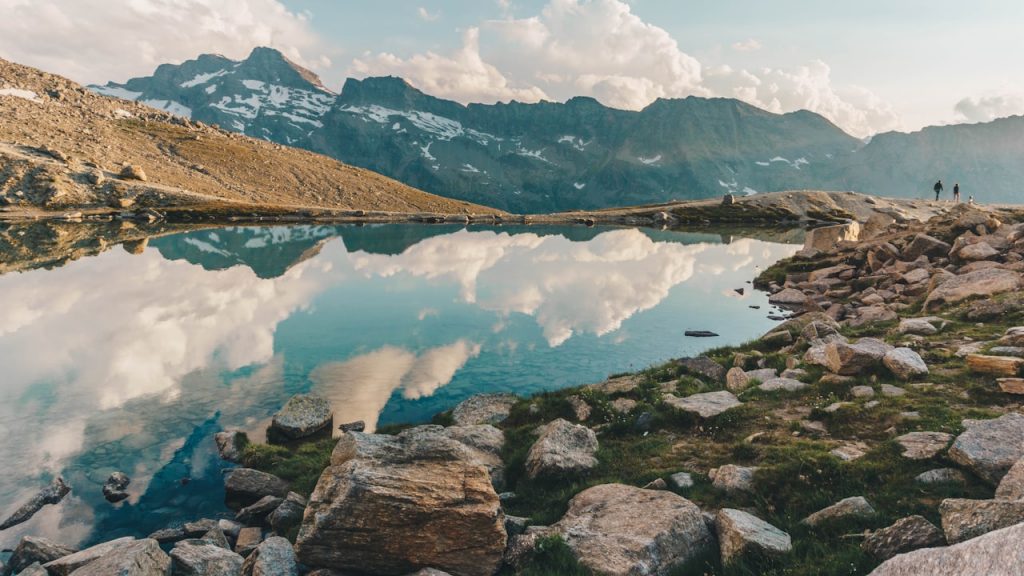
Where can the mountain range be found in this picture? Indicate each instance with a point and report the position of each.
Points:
(579, 154)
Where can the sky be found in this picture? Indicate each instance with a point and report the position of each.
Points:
(869, 66)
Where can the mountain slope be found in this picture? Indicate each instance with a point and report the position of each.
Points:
(63, 147)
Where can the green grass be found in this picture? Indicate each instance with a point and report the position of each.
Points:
(301, 465)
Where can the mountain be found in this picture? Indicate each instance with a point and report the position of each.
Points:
(579, 154)
(63, 147)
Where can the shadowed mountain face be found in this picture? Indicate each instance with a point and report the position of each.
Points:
(580, 154)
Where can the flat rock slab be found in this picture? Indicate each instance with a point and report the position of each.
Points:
(705, 405)
(988, 555)
(905, 535)
(303, 415)
(68, 564)
(986, 282)
(853, 507)
(964, 519)
(620, 530)
(740, 533)
(1004, 366)
(786, 384)
(484, 409)
(923, 445)
(990, 447)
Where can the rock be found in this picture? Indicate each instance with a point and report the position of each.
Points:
(923, 445)
(995, 553)
(245, 486)
(395, 504)
(872, 315)
(273, 557)
(656, 484)
(987, 282)
(788, 297)
(113, 488)
(1011, 487)
(620, 530)
(794, 373)
(862, 391)
(976, 252)
(681, 480)
(31, 550)
(968, 349)
(728, 200)
(704, 366)
(732, 478)
(229, 527)
(357, 426)
(905, 364)
(815, 427)
(964, 519)
(189, 559)
(562, 448)
(199, 527)
(248, 539)
(704, 405)
(917, 275)
(132, 172)
(255, 513)
(623, 405)
(852, 359)
(95, 177)
(736, 380)
(699, 334)
(169, 535)
(941, 476)
(52, 494)
(777, 338)
(122, 557)
(217, 538)
(826, 238)
(740, 533)
(484, 409)
(847, 508)
(580, 409)
(850, 451)
(762, 375)
(891, 391)
(925, 245)
(786, 384)
(34, 569)
(1005, 366)
(303, 415)
(230, 444)
(990, 447)
(905, 535)
(288, 514)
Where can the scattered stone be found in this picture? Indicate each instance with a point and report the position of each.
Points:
(248, 539)
(273, 557)
(357, 426)
(194, 559)
(681, 480)
(850, 451)
(484, 409)
(288, 514)
(941, 476)
(31, 550)
(732, 478)
(793, 373)
(923, 445)
(704, 405)
(245, 486)
(862, 391)
(113, 488)
(132, 172)
(921, 326)
(52, 494)
(872, 315)
(256, 513)
(990, 447)
(836, 406)
(986, 282)
(1011, 487)
(740, 533)
(990, 555)
(123, 557)
(814, 427)
(964, 519)
(892, 391)
(905, 535)
(871, 404)
(977, 252)
(847, 508)
(777, 338)
(851, 359)
(925, 245)
(762, 374)
(704, 366)
(562, 448)
(905, 364)
(623, 405)
(580, 409)
(230, 444)
(786, 384)
(788, 297)
(736, 380)
(303, 415)
(968, 349)
(656, 484)
(620, 530)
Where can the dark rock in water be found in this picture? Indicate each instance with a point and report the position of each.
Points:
(230, 444)
(303, 415)
(113, 488)
(739, 291)
(52, 494)
(699, 334)
(754, 307)
(776, 317)
(32, 550)
(357, 426)
(288, 514)
(245, 486)
(273, 557)
(255, 514)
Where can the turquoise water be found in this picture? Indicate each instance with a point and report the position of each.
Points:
(132, 362)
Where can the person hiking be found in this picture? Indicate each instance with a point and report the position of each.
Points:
(938, 189)
(956, 192)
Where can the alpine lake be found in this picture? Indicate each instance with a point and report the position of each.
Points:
(127, 350)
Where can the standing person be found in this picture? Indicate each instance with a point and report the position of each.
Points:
(956, 192)
(938, 189)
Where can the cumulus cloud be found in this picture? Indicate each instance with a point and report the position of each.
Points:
(114, 40)
(748, 45)
(988, 108)
(427, 15)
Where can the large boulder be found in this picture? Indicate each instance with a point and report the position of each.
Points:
(562, 448)
(964, 519)
(906, 534)
(133, 558)
(704, 367)
(985, 282)
(288, 514)
(196, 558)
(740, 533)
(789, 297)
(995, 553)
(245, 486)
(485, 442)
(67, 564)
(851, 359)
(31, 550)
(990, 447)
(396, 504)
(620, 530)
(273, 557)
(705, 405)
(904, 363)
(925, 245)
(303, 415)
(484, 409)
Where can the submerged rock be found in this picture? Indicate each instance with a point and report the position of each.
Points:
(740, 533)
(113, 488)
(562, 448)
(303, 415)
(52, 494)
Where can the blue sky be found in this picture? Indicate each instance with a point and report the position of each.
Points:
(869, 66)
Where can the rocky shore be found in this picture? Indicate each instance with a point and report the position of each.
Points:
(878, 430)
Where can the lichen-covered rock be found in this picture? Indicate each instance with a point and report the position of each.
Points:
(740, 533)
(303, 415)
(995, 553)
(964, 519)
(736, 380)
(853, 507)
(620, 530)
(923, 445)
(788, 297)
(785, 384)
(273, 557)
(941, 476)
(1011, 487)
(732, 478)
(990, 447)
(705, 405)
(904, 363)
(484, 409)
(562, 448)
(905, 535)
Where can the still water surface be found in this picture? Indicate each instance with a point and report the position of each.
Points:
(133, 361)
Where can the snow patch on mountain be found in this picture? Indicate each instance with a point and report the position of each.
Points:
(200, 79)
(19, 93)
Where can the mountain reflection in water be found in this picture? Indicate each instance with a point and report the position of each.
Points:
(131, 359)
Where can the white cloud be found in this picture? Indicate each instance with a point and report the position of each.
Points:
(988, 108)
(427, 15)
(748, 45)
(113, 40)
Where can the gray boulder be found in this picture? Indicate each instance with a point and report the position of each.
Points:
(740, 533)
(34, 569)
(114, 487)
(288, 514)
(303, 415)
(562, 448)
(704, 367)
(852, 359)
(847, 508)
(135, 558)
(245, 486)
(255, 513)
(705, 405)
(904, 363)
(923, 445)
(906, 534)
(273, 557)
(925, 245)
(67, 564)
(732, 478)
(941, 476)
(964, 519)
(200, 559)
(484, 409)
(786, 384)
(997, 553)
(990, 447)
(31, 550)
